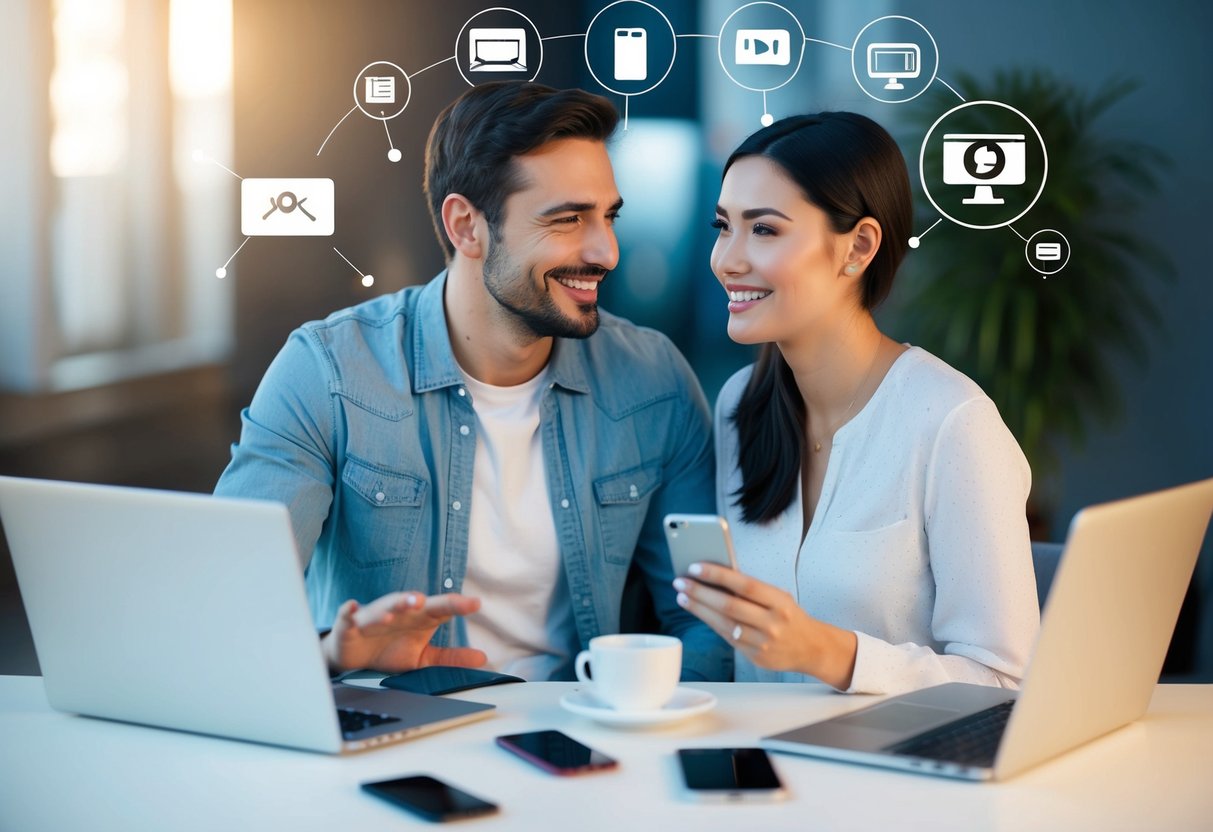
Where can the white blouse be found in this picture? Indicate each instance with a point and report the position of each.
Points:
(919, 543)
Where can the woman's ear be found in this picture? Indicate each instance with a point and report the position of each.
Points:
(464, 226)
(865, 242)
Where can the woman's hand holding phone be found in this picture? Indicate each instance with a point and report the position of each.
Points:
(767, 624)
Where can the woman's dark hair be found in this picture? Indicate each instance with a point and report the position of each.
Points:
(474, 141)
(848, 166)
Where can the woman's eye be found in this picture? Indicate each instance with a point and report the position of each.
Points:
(720, 225)
(763, 230)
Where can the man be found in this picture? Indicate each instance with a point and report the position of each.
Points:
(490, 438)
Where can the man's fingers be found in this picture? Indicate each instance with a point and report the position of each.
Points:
(445, 606)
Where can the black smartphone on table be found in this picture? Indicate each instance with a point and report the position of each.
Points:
(730, 774)
(435, 680)
(556, 753)
(430, 798)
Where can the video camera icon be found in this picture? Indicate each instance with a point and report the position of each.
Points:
(286, 207)
(763, 47)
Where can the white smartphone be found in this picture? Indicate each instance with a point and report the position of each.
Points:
(631, 55)
(694, 538)
(730, 775)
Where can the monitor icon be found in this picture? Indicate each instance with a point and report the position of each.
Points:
(984, 160)
(497, 50)
(893, 61)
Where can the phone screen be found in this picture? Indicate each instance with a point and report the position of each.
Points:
(556, 752)
(430, 798)
(731, 772)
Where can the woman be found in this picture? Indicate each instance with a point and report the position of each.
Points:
(876, 498)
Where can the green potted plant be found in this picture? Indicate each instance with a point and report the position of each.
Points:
(1043, 349)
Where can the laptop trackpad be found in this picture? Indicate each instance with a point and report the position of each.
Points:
(899, 717)
(870, 729)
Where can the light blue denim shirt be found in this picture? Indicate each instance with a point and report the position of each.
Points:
(360, 427)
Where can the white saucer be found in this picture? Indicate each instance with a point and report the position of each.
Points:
(686, 703)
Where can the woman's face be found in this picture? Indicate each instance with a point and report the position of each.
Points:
(777, 257)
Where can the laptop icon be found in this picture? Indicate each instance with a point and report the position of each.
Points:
(188, 611)
(497, 50)
(1104, 633)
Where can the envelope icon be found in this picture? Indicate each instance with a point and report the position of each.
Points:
(286, 207)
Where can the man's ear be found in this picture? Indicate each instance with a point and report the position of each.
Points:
(465, 226)
(865, 242)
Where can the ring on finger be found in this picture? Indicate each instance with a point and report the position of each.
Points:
(737, 631)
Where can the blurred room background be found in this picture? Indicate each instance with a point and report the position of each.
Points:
(124, 359)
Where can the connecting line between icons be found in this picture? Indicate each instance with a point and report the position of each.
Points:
(199, 156)
(367, 280)
(335, 126)
(949, 86)
(827, 43)
(389, 133)
(1017, 234)
(221, 272)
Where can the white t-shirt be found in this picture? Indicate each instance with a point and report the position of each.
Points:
(919, 543)
(525, 623)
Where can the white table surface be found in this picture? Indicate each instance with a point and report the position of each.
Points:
(70, 774)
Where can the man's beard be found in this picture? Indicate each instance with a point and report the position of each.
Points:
(534, 310)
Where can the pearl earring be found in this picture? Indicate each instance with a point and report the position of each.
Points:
(851, 268)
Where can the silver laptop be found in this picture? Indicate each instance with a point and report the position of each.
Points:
(188, 611)
(1104, 633)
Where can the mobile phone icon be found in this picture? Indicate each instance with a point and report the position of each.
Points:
(631, 54)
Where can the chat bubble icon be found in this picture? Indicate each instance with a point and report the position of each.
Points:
(1048, 251)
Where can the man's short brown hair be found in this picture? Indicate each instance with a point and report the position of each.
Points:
(474, 141)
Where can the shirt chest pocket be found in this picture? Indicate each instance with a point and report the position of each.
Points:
(623, 502)
(380, 513)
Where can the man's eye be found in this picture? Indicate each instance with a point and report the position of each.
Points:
(569, 220)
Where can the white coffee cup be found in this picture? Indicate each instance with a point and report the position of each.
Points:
(632, 672)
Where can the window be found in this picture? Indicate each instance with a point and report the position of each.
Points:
(119, 227)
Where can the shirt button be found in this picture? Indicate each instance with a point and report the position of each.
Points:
(456, 505)
(633, 492)
(463, 429)
(564, 503)
(448, 583)
(462, 391)
(585, 602)
(380, 496)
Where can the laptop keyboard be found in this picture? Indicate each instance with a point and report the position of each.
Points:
(971, 741)
(354, 720)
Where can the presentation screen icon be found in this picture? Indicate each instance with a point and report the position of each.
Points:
(497, 50)
(380, 89)
(631, 55)
(984, 160)
(286, 207)
(894, 61)
(763, 47)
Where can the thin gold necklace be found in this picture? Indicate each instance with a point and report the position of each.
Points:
(843, 418)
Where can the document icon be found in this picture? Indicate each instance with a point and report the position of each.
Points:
(380, 89)
(631, 54)
(286, 207)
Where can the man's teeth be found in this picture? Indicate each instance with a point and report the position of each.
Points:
(586, 285)
(741, 297)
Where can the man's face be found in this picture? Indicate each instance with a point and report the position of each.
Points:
(556, 240)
